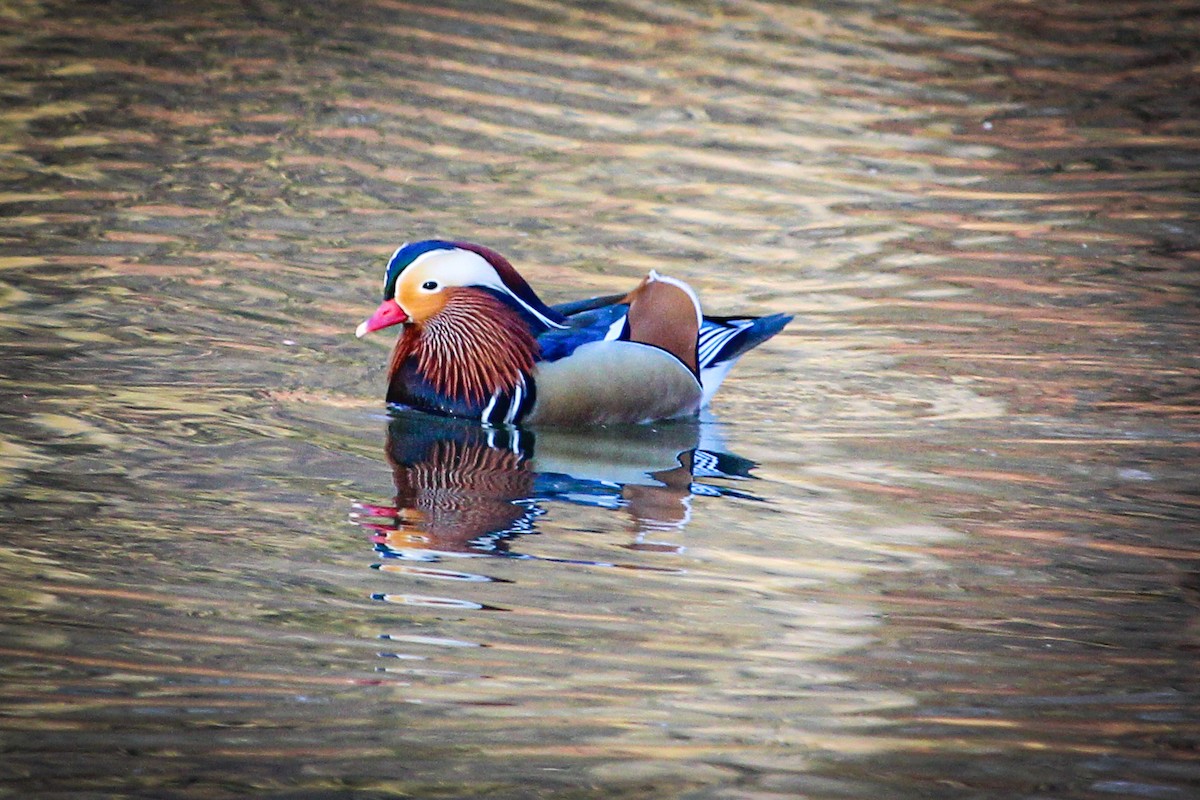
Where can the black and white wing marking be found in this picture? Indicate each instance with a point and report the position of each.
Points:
(723, 340)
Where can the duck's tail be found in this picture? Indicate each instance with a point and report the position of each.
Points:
(723, 340)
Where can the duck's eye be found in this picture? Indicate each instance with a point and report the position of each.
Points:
(429, 286)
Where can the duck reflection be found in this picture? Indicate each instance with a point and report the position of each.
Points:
(467, 489)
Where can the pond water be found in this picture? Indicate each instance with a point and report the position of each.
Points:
(940, 538)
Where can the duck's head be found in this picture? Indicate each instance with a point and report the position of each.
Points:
(422, 278)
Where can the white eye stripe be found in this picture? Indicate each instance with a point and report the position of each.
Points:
(458, 267)
(424, 257)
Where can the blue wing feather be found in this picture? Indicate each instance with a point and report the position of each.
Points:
(591, 325)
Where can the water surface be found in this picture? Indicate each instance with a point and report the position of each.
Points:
(937, 539)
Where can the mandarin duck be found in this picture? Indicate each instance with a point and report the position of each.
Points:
(477, 342)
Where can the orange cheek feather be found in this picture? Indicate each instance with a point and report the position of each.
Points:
(420, 306)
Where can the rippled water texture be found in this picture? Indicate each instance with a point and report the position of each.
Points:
(939, 539)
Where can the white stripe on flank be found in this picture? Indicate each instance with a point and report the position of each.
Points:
(487, 410)
(514, 405)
